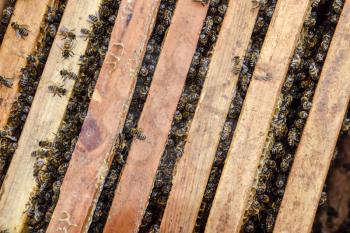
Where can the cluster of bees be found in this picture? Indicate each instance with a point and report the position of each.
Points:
(290, 116)
(29, 80)
(52, 158)
(5, 17)
(130, 130)
(183, 116)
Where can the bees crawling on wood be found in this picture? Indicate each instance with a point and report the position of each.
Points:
(203, 2)
(236, 65)
(57, 90)
(259, 3)
(65, 33)
(67, 49)
(86, 33)
(138, 134)
(22, 31)
(65, 74)
(5, 82)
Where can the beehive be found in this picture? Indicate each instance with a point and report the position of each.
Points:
(170, 116)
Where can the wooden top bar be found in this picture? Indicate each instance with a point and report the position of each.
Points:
(193, 169)
(14, 50)
(315, 151)
(137, 179)
(106, 115)
(45, 116)
(249, 138)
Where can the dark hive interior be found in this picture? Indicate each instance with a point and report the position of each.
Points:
(288, 122)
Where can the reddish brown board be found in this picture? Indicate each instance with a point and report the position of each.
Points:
(236, 182)
(320, 135)
(193, 169)
(2, 6)
(137, 179)
(106, 115)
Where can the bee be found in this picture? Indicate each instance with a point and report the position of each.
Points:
(65, 74)
(7, 134)
(67, 49)
(310, 20)
(314, 3)
(203, 2)
(303, 114)
(57, 90)
(47, 144)
(6, 14)
(21, 30)
(259, 3)
(249, 227)
(5, 82)
(105, 11)
(138, 134)
(337, 5)
(65, 33)
(236, 67)
(323, 198)
(93, 19)
(85, 33)
(293, 137)
(326, 41)
(313, 70)
(296, 61)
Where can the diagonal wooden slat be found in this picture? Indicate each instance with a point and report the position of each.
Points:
(45, 116)
(137, 178)
(14, 50)
(315, 151)
(249, 139)
(193, 170)
(106, 115)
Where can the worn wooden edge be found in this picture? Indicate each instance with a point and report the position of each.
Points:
(250, 135)
(193, 169)
(136, 182)
(320, 135)
(44, 119)
(14, 50)
(106, 116)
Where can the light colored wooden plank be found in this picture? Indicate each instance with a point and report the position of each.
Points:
(44, 118)
(14, 50)
(315, 151)
(135, 186)
(106, 115)
(193, 170)
(249, 138)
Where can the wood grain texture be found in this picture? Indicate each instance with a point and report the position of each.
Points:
(193, 170)
(249, 138)
(137, 178)
(44, 119)
(106, 116)
(320, 135)
(14, 50)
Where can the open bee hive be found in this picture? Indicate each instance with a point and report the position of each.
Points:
(174, 116)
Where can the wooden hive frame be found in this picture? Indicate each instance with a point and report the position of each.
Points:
(112, 95)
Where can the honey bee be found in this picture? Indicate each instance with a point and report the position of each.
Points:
(236, 67)
(7, 134)
(203, 2)
(138, 134)
(65, 74)
(85, 33)
(5, 82)
(47, 144)
(93, 19)
(67, 49)
(6, 14)
(313, 70)
(337, 5)
(296, 61)
(259, 3)
(57, 90)
(65, 33)
(21, 30)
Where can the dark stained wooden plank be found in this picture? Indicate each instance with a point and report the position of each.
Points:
(137, 178)
(320, 135)
(193, 170)
(231, 199)
(106, 115)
